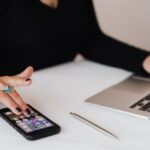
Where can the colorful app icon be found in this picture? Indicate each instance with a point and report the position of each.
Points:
(8, 113)
(48, 124)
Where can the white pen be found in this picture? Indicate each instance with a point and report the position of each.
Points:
(93, 125)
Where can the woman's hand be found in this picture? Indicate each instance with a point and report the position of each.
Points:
(146, 64)
(50, 3)
(13, 100)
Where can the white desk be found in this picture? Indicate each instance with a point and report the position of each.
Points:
(57, 91)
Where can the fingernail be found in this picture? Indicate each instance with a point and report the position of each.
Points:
(18, 110)
(28, 112)
(28, 79)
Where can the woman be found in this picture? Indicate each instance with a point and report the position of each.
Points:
(43, 33)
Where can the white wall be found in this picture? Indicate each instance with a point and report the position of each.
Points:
(126, 20)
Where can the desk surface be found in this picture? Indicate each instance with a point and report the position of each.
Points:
(58, 90)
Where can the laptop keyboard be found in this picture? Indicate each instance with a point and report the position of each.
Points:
(143, 104)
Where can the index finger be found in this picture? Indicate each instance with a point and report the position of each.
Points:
(8, 102)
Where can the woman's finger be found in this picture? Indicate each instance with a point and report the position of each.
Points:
(2, 85)
(17, 98)
(16, 81)
(8, 102)
(27, 73)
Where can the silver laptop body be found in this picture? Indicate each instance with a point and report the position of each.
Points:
(132, 96)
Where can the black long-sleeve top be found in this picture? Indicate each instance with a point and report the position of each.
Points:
(32, 33)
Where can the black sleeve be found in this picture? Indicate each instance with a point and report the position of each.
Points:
(4, 9)
(4, 46)
(4, 5)
(106, 50)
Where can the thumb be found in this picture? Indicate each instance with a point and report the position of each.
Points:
(27, 73)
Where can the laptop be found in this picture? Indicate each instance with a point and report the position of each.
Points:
(131, 96)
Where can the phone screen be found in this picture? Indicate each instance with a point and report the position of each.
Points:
(29, 124)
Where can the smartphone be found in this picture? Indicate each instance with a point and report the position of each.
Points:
(35, 127)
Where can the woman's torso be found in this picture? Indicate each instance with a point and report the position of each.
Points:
(32, 33)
